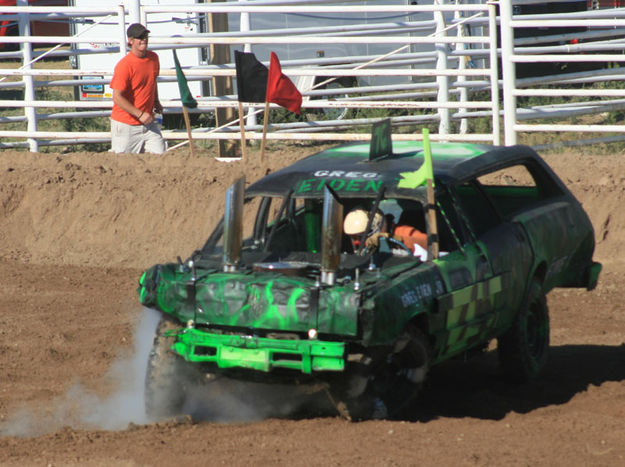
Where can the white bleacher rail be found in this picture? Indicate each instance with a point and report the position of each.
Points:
(442, 109)
(441, 81)
(603, 30)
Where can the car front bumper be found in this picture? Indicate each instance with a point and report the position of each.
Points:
(259, 353)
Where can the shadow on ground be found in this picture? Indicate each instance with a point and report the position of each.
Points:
(476, 389)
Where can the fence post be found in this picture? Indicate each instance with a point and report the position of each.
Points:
(134, 11)
(442, 81)
(29, 82)
(494, 73)
(123, 40)
(244, 26)
(508, 73)
(222, 85)
(463, 95)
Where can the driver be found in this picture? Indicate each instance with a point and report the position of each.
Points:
(355, 224)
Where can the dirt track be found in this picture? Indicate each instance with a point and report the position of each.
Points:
(75, 232)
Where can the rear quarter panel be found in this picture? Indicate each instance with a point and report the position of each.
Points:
(561, 236)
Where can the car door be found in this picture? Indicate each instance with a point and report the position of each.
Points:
(468, 308)
(505, 244)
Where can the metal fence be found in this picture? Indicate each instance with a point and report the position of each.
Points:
(587, 98)
(436, 63)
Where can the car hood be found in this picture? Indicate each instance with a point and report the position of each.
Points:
(254, 300)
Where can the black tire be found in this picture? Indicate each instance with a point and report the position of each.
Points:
(395, 385)
(167, 378)
(523, 350)
(403, 378)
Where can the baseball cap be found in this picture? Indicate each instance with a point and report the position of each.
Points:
(136, 30)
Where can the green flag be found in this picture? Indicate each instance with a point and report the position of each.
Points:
(422, 174)
(185, 94)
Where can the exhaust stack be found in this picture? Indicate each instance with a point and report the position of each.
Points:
(233, 225)
(332, 229)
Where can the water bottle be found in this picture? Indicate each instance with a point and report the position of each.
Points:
(158, 118)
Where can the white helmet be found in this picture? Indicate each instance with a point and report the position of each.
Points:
(356, 222)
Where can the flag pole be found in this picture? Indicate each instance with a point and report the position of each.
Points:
(187, 123)
(186, 99)
(433, 247)
(265, 125)
(242, 126)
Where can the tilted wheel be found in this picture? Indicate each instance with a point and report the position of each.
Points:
(524, 348)
(395, 385)
(400, 382)
(168, 376)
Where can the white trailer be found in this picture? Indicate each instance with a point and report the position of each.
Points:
(98, 55)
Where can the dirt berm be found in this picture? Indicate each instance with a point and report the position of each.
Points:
(77, 229)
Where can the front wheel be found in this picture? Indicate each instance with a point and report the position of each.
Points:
(401, 382)
(524, 348)
(393, 386)
(168, 377)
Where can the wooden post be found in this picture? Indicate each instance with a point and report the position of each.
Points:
(432, 225)
(265, 125)
(222, 85)
(187, 123)
(242, 126)
(433, 244)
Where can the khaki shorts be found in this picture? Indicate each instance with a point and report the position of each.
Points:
(137, 139)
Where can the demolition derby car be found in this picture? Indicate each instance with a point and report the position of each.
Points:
(279, 293)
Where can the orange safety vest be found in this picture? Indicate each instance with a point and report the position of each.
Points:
(408, 235)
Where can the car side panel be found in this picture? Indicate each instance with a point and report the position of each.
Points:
(555, 231)
(402, 298)
(510, 254)
(467, 307)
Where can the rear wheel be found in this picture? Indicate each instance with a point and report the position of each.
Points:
(168, 377)
(524, 348)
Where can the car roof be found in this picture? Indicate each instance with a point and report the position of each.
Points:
(348, 170)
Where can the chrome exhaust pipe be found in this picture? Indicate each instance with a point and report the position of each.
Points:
(332, 230)
(233, 225)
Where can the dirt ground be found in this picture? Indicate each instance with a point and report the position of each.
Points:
(76, 230)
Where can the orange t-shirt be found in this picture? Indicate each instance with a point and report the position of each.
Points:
(409, 236)
(135, 78)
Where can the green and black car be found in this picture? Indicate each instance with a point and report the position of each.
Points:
(283, 297)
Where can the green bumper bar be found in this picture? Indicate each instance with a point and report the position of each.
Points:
(259, 353)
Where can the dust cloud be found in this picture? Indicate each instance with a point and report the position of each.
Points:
(226, 400)
(216, 399)
(82, 408)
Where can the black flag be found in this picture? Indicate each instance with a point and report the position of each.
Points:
(251, 77)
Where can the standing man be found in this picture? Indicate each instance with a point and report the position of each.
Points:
(135, 98)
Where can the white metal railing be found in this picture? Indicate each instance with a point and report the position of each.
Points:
(601, 31)
(446, 101)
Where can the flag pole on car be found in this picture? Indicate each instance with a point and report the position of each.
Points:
(186, 98)
(424, 175)
(431, 201)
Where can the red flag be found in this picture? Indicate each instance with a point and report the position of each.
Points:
(280, 89)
